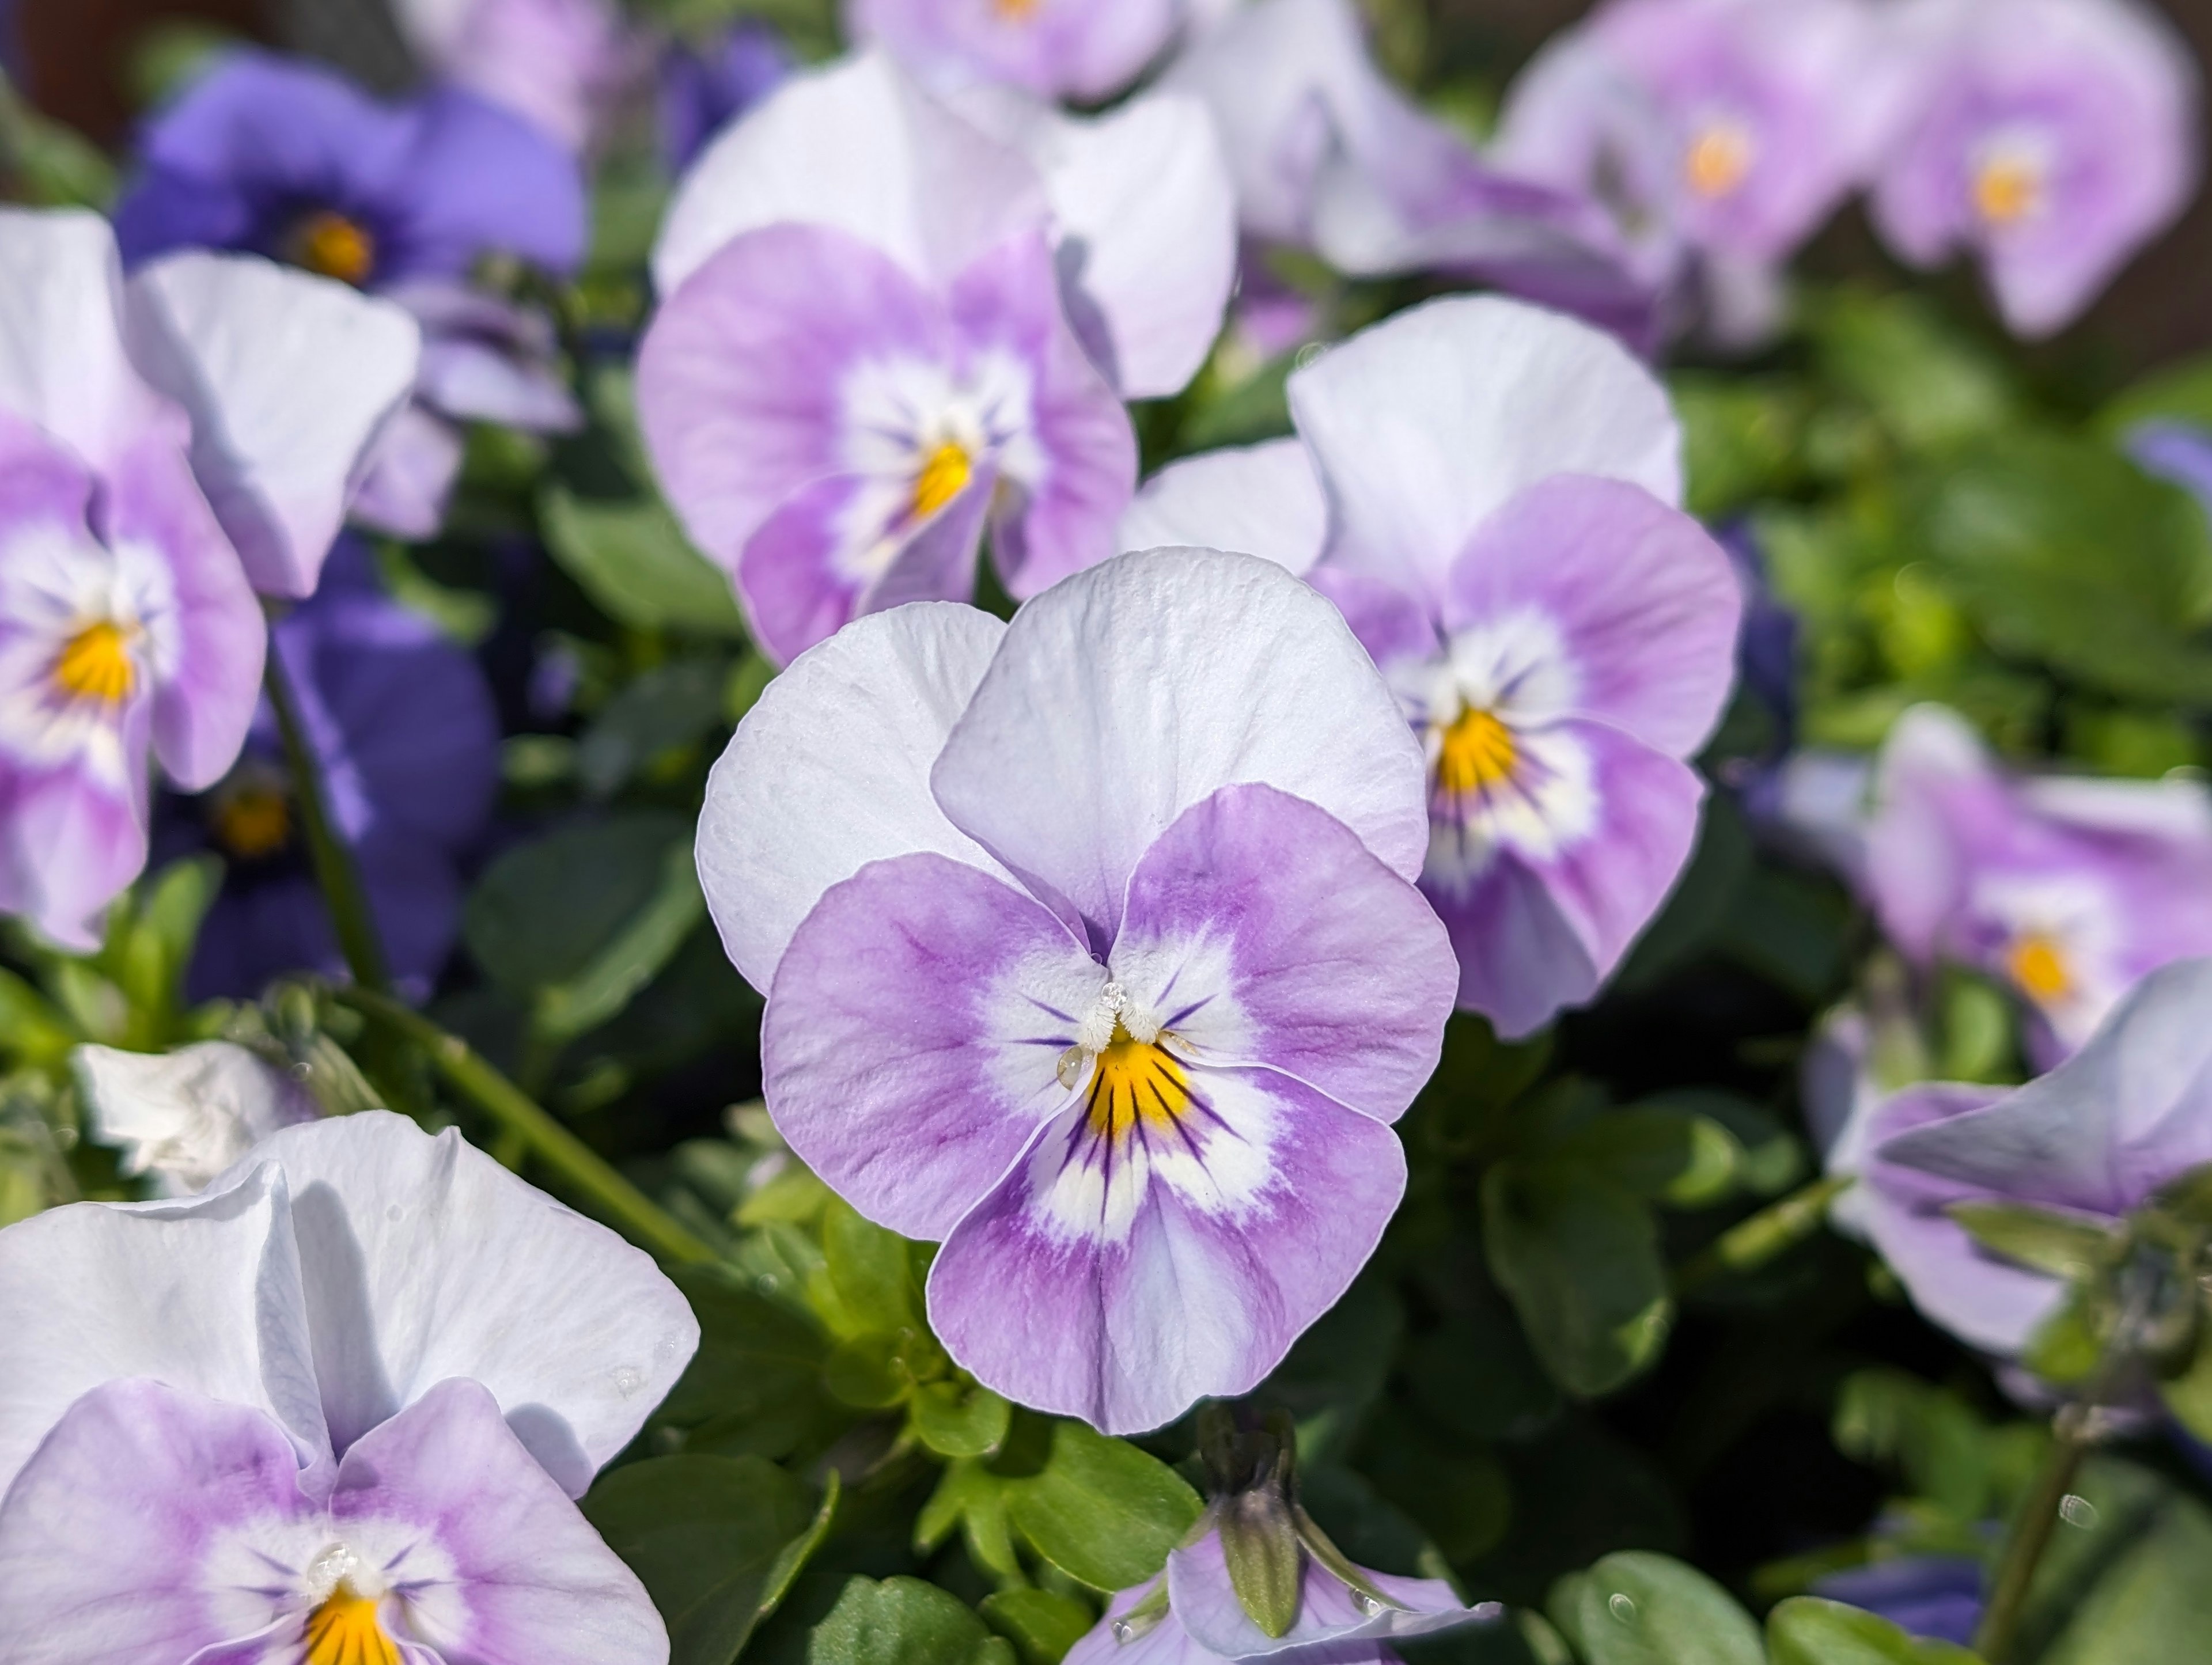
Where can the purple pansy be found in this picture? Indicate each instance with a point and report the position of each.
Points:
(1090, 950)
(886, 328)
(561, 65)
(1489, 490)
(288, 160)
(2067, 890)
(134, 530)
(703, 89)
(1050, 49)
(2095, 1138)
(2051, 138)
(407, 742)
(332, 1408)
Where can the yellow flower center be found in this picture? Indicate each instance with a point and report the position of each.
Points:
(2038, 964)
(1478, 751)
(343, 1631)
(96, 664)
(252, 822)
(942, 478)
(335, 246)
(2006, 190)
(1717, 160)
(1136, 1080)
(1015, 11)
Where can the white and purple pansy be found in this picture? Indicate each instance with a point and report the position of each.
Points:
(1495, 516)
(1091, 950)
(332, 1410)
(886, 328)
(167, 448)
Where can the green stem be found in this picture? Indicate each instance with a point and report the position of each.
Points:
(586, 1171)
(1751, 1243)
(2037, 1520)
(335, 871)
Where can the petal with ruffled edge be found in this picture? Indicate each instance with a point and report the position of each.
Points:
(1645, 604)
(830, 771)
(422, 1259)
(1262, 500)
(1425, 425)
(1546, 881)
(745, 379)
(204, 1295)
(289, 378)
(186, 1116)
(488, 1558)
(1135, 690)
(1167, 1262)
(1260, 930)
(914, 1035)
(856, 148)
(1330, 1615)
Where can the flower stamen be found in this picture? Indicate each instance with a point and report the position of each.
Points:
(1719, 159)
(96, 665)
(1477, 750)
(331, 245)
(2037, 964)
(943, 477)
(344, 1630)
(1136, 1081)
(2008, 190)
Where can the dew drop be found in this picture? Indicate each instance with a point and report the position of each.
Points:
(1621, 1607)
(1124, 1630)
(301, 1071)
(2076, 1511)
(1114, 997)
(1071, 1066)
(395, 1213)
(765, 1283)
(1488, 1613)
(628, 1379)
(1368, 1604)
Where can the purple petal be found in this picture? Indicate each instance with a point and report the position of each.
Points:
(1072, 49)
(1330, 1615)
(1396, 628)
(913, 1035)
(479, 180)
(71, 841)
(1159, 1265)
(1292, 947)
(798, 577)
(409, 475)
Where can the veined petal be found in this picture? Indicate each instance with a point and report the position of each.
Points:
(289, 378)
(1330, 1615)
(1173, 1258)
(1129, 698)
(1262, 500)
(830, 771)
(1259, 930)
(915, 1035)
(1425, 425)
(1645, 603)
(857, 147)
(423, 1259)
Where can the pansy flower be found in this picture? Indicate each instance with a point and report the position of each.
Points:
(285, 159)
(884, 329)
(183, 1118)
(561, 65)
(1051, 48)
(135, 527)
(2051, 138)
(704, 88)
(1488, 491)
(332, 1410)
(1091, 950)
(2067, 890)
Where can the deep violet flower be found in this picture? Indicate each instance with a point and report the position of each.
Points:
(134, 529)
(2049, 138)
(1488, 491)
(1091, 950)
(887, 326)
(704, 89)
(331, 1410)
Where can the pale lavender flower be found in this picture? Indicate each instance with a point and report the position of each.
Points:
(135, 527)
(2050, 139)
(1091, 950)
(562, 65)
(1050, 49)
(2096, 1138)
(885, 328)
(1490, 491)
(184, 1117)
(2067, 890)
(332, 1408)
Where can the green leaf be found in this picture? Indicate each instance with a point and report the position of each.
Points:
(2064, 1245)
(636, 957)
(903, 1622)
(2150, 1600)
(1931, 387)
(1807, 1630)
(757, 1359)
(1638, 1608)
(2189, 1394)
(669, 708)
(1664, 1155)
(1103, 1512)
(871, 1274)
(2181, 392)
(972, 1500)
(711, 1538)
(868, 1372)
(632, 559)
(54, 166)
(31, 1031)
(1041, 1623)
(960, 1420)
(1578, 1256)
(1741, 438)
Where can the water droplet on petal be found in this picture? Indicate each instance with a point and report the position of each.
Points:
(1071, 1066)
(628, 1379)
(1368, 1604)
(2077, 1510)
(395, 1213)
(1124, 1630)
(1621, 1607)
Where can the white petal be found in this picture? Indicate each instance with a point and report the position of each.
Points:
(830, 771)
(289, 378)
(63, 361)
(1262, 500)
(423, 1259)
(1127, 693)
(185, 1116)
(1424, 425)
(204, 1294)
(859, 147)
